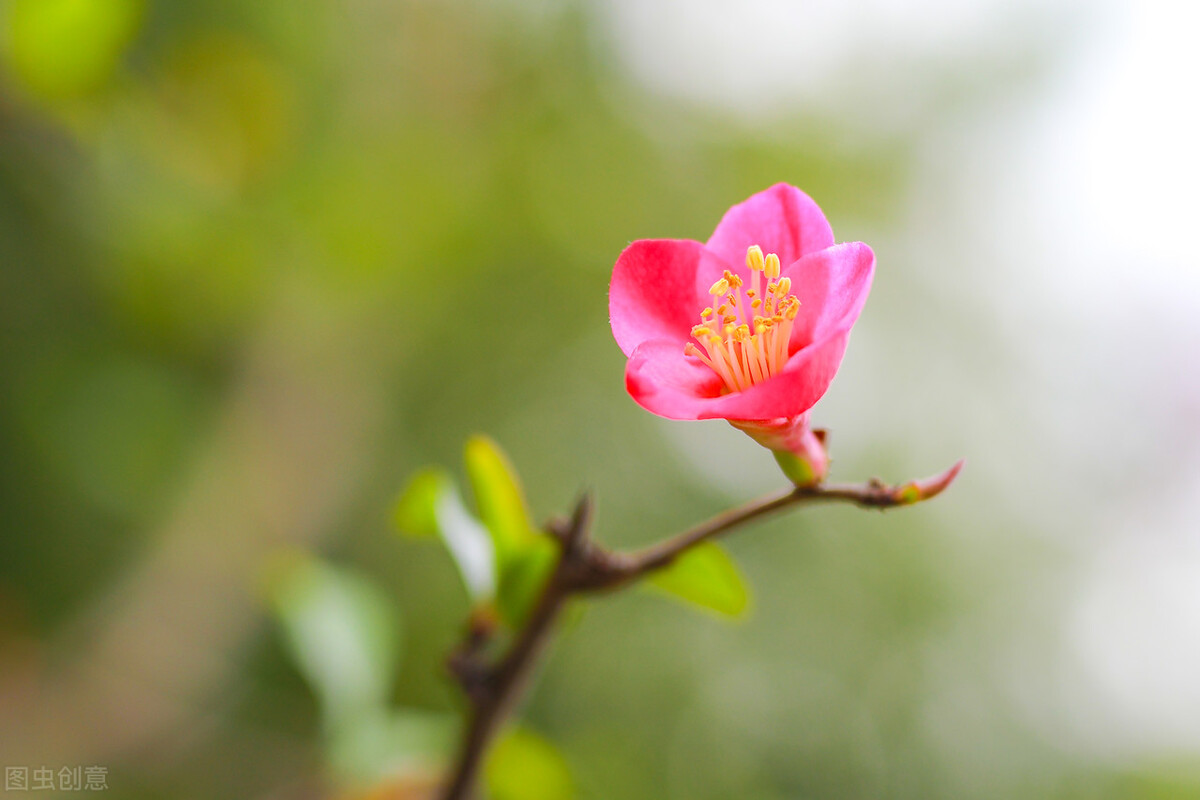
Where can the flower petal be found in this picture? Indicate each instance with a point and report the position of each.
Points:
(793, 391)
(663, 380)
(653, 294)
(781, 220)
(832, 286)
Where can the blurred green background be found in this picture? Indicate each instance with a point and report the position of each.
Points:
(261, 261)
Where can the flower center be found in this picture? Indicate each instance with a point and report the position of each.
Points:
(744, 334)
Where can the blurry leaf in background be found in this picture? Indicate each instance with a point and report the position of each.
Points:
(63, 48)
(705, 576)
(390, 745)
(524, 766)
(341, 631)
(430, 506)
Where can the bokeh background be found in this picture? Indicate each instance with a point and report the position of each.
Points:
(260, 261)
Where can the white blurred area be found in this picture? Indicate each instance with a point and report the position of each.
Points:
(1054, 222)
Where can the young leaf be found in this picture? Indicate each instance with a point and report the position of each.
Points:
(416, 510)
(469, 544)
(430, 506)
(340, 629)
(706, 576)
(523, 578)
(524, 766)
(498, 498)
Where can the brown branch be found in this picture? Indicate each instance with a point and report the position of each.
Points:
(494, 695)
(873, 494)
(582, 567)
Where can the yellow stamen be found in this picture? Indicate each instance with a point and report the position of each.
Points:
(772, 266)
(745, 338)
(754, 258)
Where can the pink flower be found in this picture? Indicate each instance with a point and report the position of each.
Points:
(749, 327)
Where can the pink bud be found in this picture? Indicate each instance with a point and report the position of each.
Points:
(916, 491)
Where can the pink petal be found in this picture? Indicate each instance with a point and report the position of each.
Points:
(781, 220)
(653, 292)
(832, 286)
(793, 391)
(662, 380)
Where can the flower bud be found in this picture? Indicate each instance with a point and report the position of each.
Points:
(916, 491)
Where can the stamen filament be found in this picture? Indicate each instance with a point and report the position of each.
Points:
(744, 336)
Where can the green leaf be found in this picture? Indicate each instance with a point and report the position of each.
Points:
(498, 498)
(430, 506)
(523, 579)
(501, 555)
(341, 631)
(705, 576)
(524, 555)
(415, 513)
(524, 766)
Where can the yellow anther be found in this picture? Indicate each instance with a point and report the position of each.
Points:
(754, 258)
(772, 266)
(745, 346)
